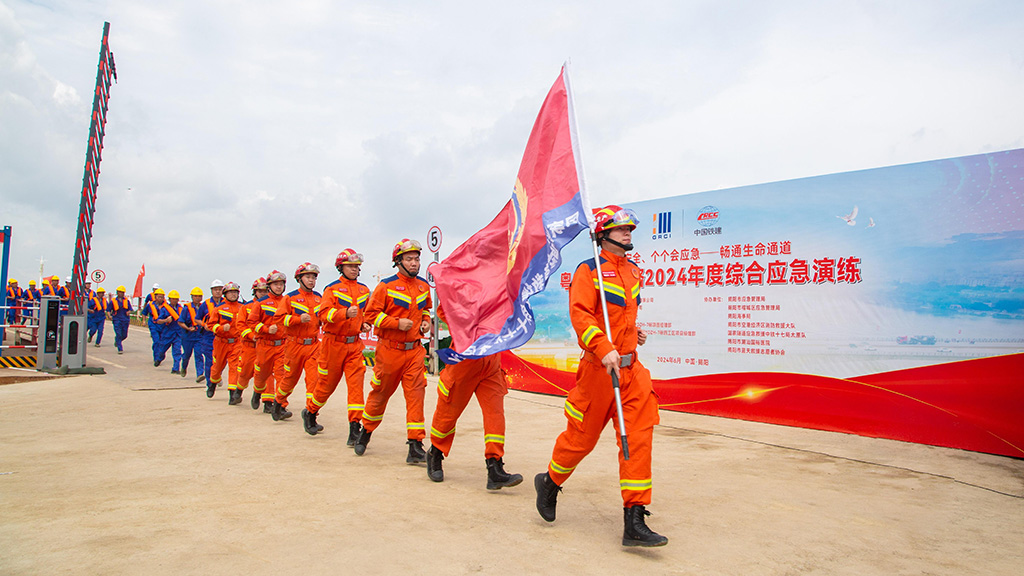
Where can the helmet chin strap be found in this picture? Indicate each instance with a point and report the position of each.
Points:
(626, 247)
(406, 270)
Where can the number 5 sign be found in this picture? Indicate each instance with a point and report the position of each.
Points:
(434, 239)
(98, 276)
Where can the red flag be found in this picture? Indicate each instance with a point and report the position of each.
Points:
(137, 293)
(486, 283)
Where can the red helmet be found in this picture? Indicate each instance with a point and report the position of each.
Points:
(259, 284)
(306, 268)
(612, 216)
(405, 245)
(232, 286)
(348, 256)
(276, 276)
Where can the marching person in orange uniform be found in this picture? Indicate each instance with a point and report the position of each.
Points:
(226, 323)
(297, 314)
(455, 386)
(400, 310)
(247, 356)
(341, 350)
(270, 341)
(591, 404)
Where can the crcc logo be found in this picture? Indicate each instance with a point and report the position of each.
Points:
(707, 216)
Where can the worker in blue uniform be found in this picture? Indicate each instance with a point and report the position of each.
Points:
(98, 307)
(120, 308)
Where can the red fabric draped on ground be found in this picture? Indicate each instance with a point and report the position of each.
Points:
(972, 404)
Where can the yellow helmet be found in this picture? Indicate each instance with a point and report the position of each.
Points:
(197, 291)
(101, 290)
(158, 291)
(12, 281)
(122, 289)
(31, 282)
(54, 277)
(173, 294)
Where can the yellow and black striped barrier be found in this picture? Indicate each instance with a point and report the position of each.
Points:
(18, 361)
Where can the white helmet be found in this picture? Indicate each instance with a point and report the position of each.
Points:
(155, 286)
(216, 284)
(68, 279)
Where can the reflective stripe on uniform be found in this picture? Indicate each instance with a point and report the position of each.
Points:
(572, 412)
(635, 485)
(590, 333)
(494, 438)
(442, 388)
(439, 434)
(415, 426)
(560, 469)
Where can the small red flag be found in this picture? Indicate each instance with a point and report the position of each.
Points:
(137, 293)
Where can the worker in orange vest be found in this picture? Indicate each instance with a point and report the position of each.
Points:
(192, 328)
(270, 341)
(120, 308)
(247, 356)
(226, 322)
(97, 315)
(341, 350)
(591, 404)
(297, 314)
(400, 310)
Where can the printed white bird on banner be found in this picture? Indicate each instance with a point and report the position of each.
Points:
(850, 218)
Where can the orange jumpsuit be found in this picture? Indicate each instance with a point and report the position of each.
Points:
(455, 386)
(591, 404)
(341, 350)
(269, 368)
(399, 355)
(247, 354)
(300, 353)
(226, 323)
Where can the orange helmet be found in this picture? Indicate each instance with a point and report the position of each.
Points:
(306, 268)
(276, 276)
(259, 284)
(347, 256)
(405, 245)
(613, 216)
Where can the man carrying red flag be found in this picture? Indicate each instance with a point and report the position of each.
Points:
(591, 404)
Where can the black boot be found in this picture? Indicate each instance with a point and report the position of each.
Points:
(636, 532)
(268, 407)
(353, 432)
(547, 495)
(362, 441)
(183, 372)
(279, 412)
(210, 389)
(497, 478)
(434, 471)
(234, 397)
(309, 422)
(416, 453)
(255, 402)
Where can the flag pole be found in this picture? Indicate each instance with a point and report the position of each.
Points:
(585, 197)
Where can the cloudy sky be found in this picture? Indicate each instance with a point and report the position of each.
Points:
(247, 136)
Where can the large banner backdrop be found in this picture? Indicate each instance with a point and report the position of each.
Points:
(886, 303)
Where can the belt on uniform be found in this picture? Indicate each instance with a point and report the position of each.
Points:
(625, 360)
(347, 339)
(251, 343)
(402, 345)
(231, 340)
(272, 342)
(305, 341)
